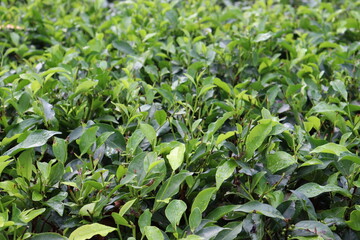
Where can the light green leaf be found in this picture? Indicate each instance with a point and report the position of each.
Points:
(144, 220)
(223, 85)
(59, 148)
(222, 137)
(169, 188)
(340, 87)
(313, 189)
(224, 171)
(260, 208)
(126, 207)
(332, 148)
(120, 172)
(315, 122)
(192, 237)
(195, 219)
(176, 156)
(87, 139)
(160, 117)
(4, 163)
(257, 136)
(202, 200)
(123, 47)
(87, 209)
(134, 141)
(28, 215)
(49, 112)
(90, 230)
(213, 127)
(323, 107)
(174, 211)
(328, 45)
(149, 133)
(34, 139)
(24, 164)
(120, 219)
(354, 222)
(102, 138)
(56, 202)
(84, 87)
(153, 233)
(263, 37)
(311, 162)
(221, 211)
(352, 158)
(279, 160)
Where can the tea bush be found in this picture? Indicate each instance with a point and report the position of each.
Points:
(196, 119)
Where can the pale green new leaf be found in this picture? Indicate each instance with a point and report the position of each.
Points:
(176, 156)
(174, 211)
(202, 200)
(332, 148)
(279, 160)
(153, 233)
(257, 136)
(88, 231)
(224, 171)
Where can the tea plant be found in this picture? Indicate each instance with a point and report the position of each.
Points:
(196, 119)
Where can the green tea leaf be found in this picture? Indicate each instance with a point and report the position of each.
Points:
(221, 211)
(126, 207)
(34, 139)
(4, 162)
(315, 228)
(279, 160)
(260, 208)
(195, 219)
(145, 220)
(47, 236)
(332, 148)
(84, 87)
(213, 127)
(176, 156)
(25, 164)
(160, 117)
(224, 86)
(120, 219)
(153, 233)
(169, 188)
(323, 107)
(202, 200)
(57, 203)
(123, 46)
(222, 137)
(340, 87)
(59, 148)
(28, 215)
(149, 132)
(263, 37)
(87, 139)
(174, 211)
(89, 230)
(134, 141)
(354, 222)
(224, 171)
(313, 189)
(257, 136)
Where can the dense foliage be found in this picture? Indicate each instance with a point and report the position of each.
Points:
(195, 119)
